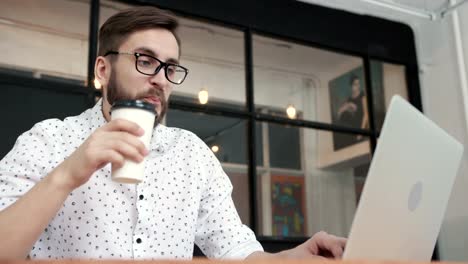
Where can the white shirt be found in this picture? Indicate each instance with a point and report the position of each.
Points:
(184, 199)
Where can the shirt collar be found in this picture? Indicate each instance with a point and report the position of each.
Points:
(96, 116)
(160, 139)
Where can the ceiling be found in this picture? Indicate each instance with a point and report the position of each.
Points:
(363, 6)
(424, 4)
(366, 7)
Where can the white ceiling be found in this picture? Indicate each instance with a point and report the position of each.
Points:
(426, 5)
(366, 8)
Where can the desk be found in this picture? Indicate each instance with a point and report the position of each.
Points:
(207, 261)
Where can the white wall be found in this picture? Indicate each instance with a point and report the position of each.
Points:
(442, 102)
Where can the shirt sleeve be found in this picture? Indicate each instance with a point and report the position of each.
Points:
(30, 160)
(220, 232)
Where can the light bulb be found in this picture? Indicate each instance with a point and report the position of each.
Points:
(97, 84)
(291, 111)
(203, 96)
(215, 148)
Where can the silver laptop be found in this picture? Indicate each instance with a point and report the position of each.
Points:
(407, 188)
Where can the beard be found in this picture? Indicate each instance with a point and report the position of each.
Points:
(116, 92)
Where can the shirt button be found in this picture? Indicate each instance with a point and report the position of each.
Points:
(138, 240)
(141, 197)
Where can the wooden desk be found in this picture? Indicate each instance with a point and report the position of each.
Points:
(206, 261)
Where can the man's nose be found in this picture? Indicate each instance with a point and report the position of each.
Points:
(159, 79)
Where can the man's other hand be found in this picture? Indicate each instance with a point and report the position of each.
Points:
(321, 244)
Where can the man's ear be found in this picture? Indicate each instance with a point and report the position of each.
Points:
(102, 70)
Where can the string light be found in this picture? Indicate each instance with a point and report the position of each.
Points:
(215, 148)
(203, 96)
(291, 111)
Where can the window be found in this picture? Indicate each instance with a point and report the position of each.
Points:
(227, 137)
(321, 195)
(387, 80)
(215, 57)
(323, 86)
(308, 179)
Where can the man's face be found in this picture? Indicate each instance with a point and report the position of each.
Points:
(356, 87)
(125, 82)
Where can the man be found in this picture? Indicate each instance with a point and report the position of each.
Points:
(56, 195)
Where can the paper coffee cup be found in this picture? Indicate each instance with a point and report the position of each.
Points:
(144, 115)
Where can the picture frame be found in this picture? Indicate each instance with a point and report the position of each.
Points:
(288, 206)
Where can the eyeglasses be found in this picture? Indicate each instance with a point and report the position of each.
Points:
(149, 65)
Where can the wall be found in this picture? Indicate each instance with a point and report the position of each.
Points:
(442, 102)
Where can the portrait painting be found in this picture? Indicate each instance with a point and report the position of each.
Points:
(348, 106)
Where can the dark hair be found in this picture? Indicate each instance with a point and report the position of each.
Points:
(353, 78)
(119, 26)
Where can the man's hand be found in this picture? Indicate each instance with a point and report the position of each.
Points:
(321, 244)
(112, 143)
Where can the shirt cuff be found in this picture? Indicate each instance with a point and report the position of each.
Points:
(243, 250)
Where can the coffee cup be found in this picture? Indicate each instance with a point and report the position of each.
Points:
(144, 115)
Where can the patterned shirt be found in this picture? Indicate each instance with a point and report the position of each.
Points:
(184, 199)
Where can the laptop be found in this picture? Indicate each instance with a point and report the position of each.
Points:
(408, 185)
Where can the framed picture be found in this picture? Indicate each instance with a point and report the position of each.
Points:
(348, 103)
(348, 106)
(288, 206)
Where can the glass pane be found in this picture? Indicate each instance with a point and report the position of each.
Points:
(240, 192)
(360, 175)
(227, 139)
(46, 39)
(320, 196)
(27, 99)
(387, 80)
(320, 85)
(214, 56)
(284, 139)
(226, 136)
